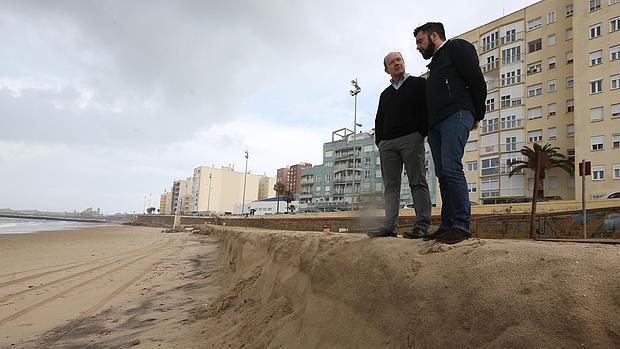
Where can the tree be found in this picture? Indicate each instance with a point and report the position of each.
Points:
(279, 188)
(540, 159)
(288, 197)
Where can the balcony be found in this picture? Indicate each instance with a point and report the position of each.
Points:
(512, 147)
(510, 38)
(344, 156)
(511, 124)
(506, 170)
(490, 66)
(489, 149)
(492, 193)
(489, 46)
(513, 80)
(512, 59)
(489, 128)
(307, 181)
(347, 179)
(511, 103)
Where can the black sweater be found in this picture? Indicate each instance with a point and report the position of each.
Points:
(402, 111)
(455, 82)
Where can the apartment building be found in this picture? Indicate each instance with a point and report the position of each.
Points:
(351, 173)
(165, 203)
(553, 76)
(181, 195)
(217, 190)
(290, 176)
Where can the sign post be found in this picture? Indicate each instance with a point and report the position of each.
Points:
(585, 169)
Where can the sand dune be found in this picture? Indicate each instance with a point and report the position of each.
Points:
(316, 290)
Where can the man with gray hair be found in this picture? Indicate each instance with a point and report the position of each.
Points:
(400, 128)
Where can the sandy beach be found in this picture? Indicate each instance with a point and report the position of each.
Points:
(126, 287)
(99, 287)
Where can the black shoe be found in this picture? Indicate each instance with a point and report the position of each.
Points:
(433, 235)
(453, 236)
(416, 233)
(381, 233)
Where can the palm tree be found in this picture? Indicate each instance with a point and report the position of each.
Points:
(288, 197)
(540, 159)
(279, 188)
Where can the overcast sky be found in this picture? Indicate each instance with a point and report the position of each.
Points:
(103, 103)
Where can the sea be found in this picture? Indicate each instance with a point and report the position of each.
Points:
(26, 225)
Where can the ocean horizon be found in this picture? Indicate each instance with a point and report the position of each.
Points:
(28, 225)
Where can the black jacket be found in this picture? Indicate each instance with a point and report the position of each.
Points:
(402, 111)
(455, 82)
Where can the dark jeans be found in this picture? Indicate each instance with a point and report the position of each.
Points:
(447, 140)
(407, 150)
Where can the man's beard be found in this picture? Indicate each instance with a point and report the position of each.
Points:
(428, 53)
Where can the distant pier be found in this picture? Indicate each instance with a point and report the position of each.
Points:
(53, 218)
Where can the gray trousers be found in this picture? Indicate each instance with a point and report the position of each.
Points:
(407, 150)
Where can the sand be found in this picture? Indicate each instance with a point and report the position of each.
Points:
(109, 287)
(249, 288)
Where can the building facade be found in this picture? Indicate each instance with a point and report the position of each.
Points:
(294, 177)
(282, 176)
(165, 203)
(350, 175)
(217, 190)
(181, 195)
(553, 76)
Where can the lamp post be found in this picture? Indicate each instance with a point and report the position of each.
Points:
(245, 173)
(354, 92)
(209, 195)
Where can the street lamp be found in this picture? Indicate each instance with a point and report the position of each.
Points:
(209, 195)
(354, 92)
(245, 173)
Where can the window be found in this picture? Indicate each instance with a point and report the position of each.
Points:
(329, 153)
(595, 31)
(490, 104)
(596, 143)
(505, 101)
(614, 24)
(551, 17)
(596, 86)
(569, 10)
(615, 141)
(366, 173)
(570, 154)
(534, 68)
(551, 62)
(596, 114)
(377, 174)
(472, 166)
(551, 86)
(511, 77)
(534, 136)
(598, 173)
(569, 57)
(534, 90)
(552, 133)
(368, 148)
(472, 187)
(615, 110)
(568, 34)
(570, 130)
(489, 41)
(534, 46)
(489, 166)
(570, 105)
(511, 144)
(534, 113)
(471, 146)
(615, 82)
(551, 108)
(511, 55)
(551, 40)
(534, 23)
(378, 162)
(596, 58)
(554, 182)
(614, 53)
(616, 170)
(595, 5)
(570, 82)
